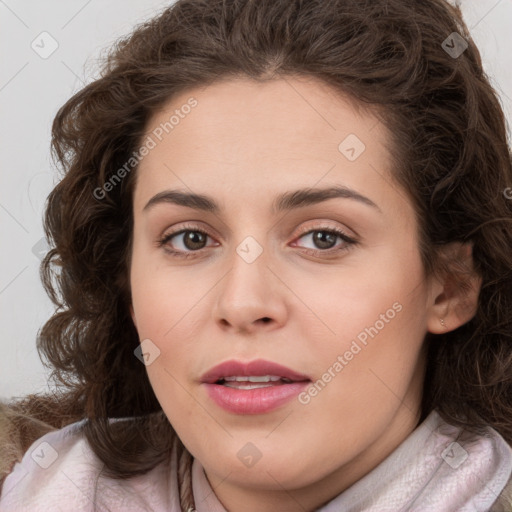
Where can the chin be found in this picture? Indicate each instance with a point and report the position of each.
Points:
(268, 472)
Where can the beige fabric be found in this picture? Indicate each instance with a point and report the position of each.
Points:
(415, 478)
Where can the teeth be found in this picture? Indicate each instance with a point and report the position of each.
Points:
(248, 386)
(254, 378)
(251, 381)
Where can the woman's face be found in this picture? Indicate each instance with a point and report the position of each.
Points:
(272, 280)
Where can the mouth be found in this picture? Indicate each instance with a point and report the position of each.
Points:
(257, 371)
(253, 382)
(252, 388)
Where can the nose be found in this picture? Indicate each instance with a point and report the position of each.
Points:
(250, 297)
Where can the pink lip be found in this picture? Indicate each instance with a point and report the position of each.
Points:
(252, 401)
(256, 367)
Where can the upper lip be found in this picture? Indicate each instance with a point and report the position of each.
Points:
(257, 367)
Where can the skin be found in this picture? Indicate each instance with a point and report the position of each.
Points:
(244, 144)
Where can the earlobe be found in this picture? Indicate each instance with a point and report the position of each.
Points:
(454, 297)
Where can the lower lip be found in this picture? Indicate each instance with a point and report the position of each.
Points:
(254, 401)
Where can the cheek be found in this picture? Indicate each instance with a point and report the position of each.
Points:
(163, 316)
(164, 299)
(375, 324)
(382, 298)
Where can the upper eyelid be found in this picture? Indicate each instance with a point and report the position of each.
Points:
(305, 230)
(325, 227)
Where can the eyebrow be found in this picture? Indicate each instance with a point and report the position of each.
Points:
(284, 202)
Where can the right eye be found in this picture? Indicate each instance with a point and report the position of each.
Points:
(192, 241)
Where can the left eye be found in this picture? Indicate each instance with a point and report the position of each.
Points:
(325, 239)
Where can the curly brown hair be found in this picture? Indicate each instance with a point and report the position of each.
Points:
(451, 157)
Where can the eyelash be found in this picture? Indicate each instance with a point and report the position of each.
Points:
(351, 242)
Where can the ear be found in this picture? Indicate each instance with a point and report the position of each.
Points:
(133, 315)
(453, 298)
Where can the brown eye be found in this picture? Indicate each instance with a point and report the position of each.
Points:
(193, 240)
(325, 239)
(189, 240)
(184, 242)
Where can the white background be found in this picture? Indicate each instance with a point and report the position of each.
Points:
(31, 91)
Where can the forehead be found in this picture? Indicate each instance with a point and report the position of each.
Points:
(241, 136)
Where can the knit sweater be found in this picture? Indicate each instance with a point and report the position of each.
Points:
(437, 468)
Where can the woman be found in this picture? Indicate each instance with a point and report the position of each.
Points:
(283, 240)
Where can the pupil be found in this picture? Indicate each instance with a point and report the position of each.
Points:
(192, 238)
(320, 238)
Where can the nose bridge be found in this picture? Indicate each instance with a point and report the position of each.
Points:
(250, 243)
(248, 292)
(248, 276)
